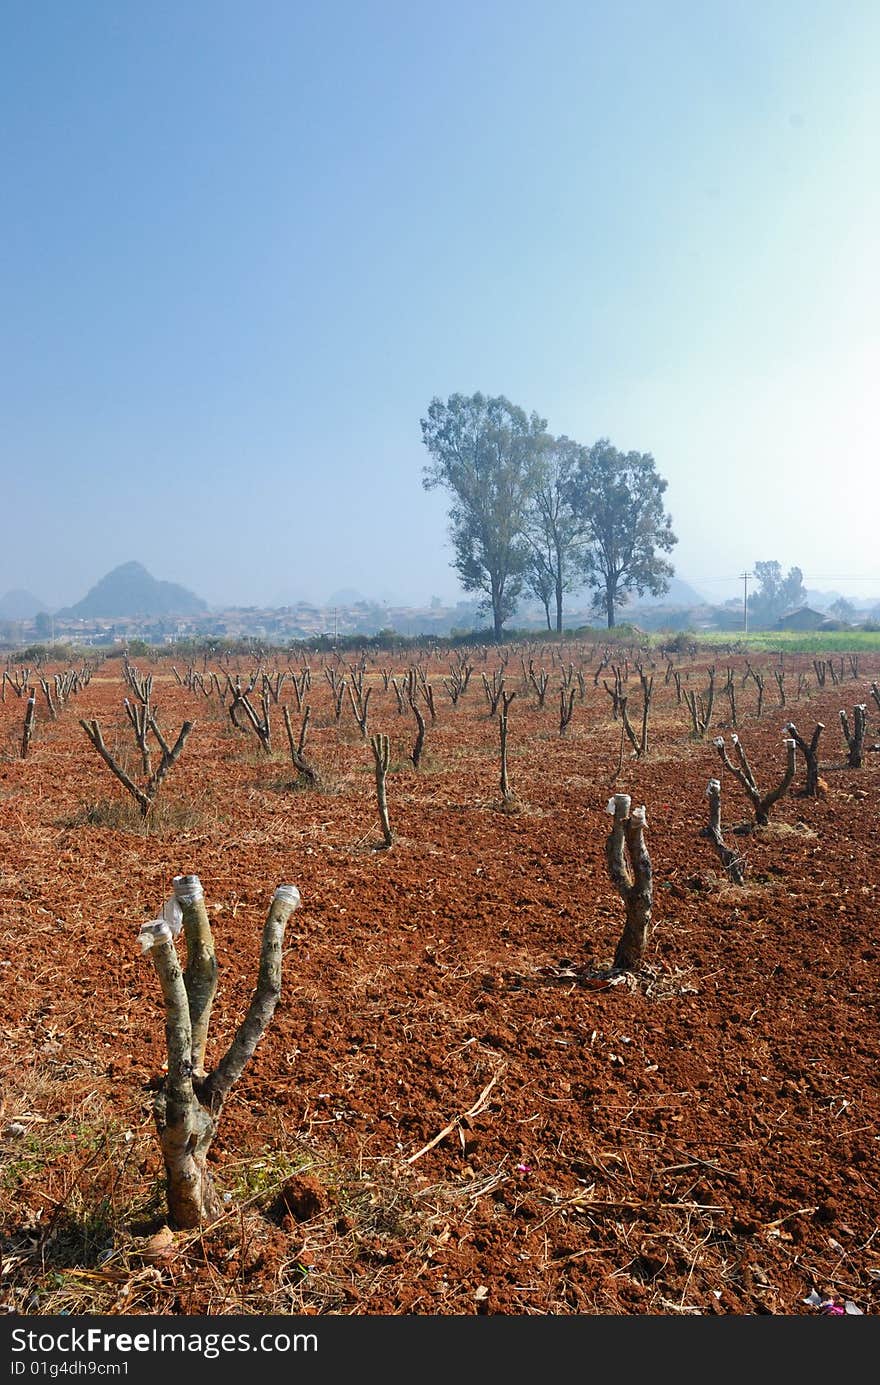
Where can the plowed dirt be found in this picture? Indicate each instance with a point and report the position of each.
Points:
(700, 1137)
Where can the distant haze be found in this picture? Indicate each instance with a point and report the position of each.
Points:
(244, 248)
(20, 605)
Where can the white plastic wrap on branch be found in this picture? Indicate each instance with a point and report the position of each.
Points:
(187, 889)
(718, 742)
(640, 816)
(155, 932)
(714, 786)
(619, 798)
(735, 738)
(288, 894)
(172, 913)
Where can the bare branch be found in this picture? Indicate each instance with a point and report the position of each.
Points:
(263, 1002)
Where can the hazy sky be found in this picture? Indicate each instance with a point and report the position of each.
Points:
(244, 245)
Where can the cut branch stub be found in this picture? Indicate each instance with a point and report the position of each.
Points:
(855, 739)
(297, 746)
(731, 860)
(418, 747)
(762, 803)
(700, 707)
(140, 719)
(809, 750)
(629, 867)
(566, 708)
(93, 731)
(170, 754)
(29, 718)
(380, 746)
(188, 1103)
(263, 1002)
(506, 794)
(200, 976)
(185, 1127)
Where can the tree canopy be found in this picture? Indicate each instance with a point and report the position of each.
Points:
(553, 529)
(486, 451)
(842, 608)
(776, 594)
(618, 500)
(542, 513)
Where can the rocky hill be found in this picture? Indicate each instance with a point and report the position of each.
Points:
(129, 590)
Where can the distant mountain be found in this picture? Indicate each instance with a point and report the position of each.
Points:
(20, 605)
(822, 601)
(680, 593)
(129, 590)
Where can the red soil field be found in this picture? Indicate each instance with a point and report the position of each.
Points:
(700, 1137)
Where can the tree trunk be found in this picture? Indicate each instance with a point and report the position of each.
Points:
(185, 1134)
(609, 606)
(731, 861)
(185, 1127)
(381, 754)
(506, 795)
(811, 758)
(630, 869)
(188, 1104)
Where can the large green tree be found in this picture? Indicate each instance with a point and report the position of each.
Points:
(617, 497)
(486, 451)
(553, 528)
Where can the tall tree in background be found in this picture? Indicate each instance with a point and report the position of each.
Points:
(842, 609)
(618, 499)
(776, 594)
(539, 580)
(485, 451)
(553, 529)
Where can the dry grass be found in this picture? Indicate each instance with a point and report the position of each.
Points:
(124, 815)
(83, 1217)
(786, 829)
(82, 1205)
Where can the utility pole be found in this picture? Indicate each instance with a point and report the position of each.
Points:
(745, 577)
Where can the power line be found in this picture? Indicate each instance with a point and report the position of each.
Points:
(745, 578)
(807, 577)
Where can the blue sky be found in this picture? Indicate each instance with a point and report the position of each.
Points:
(243, 246)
